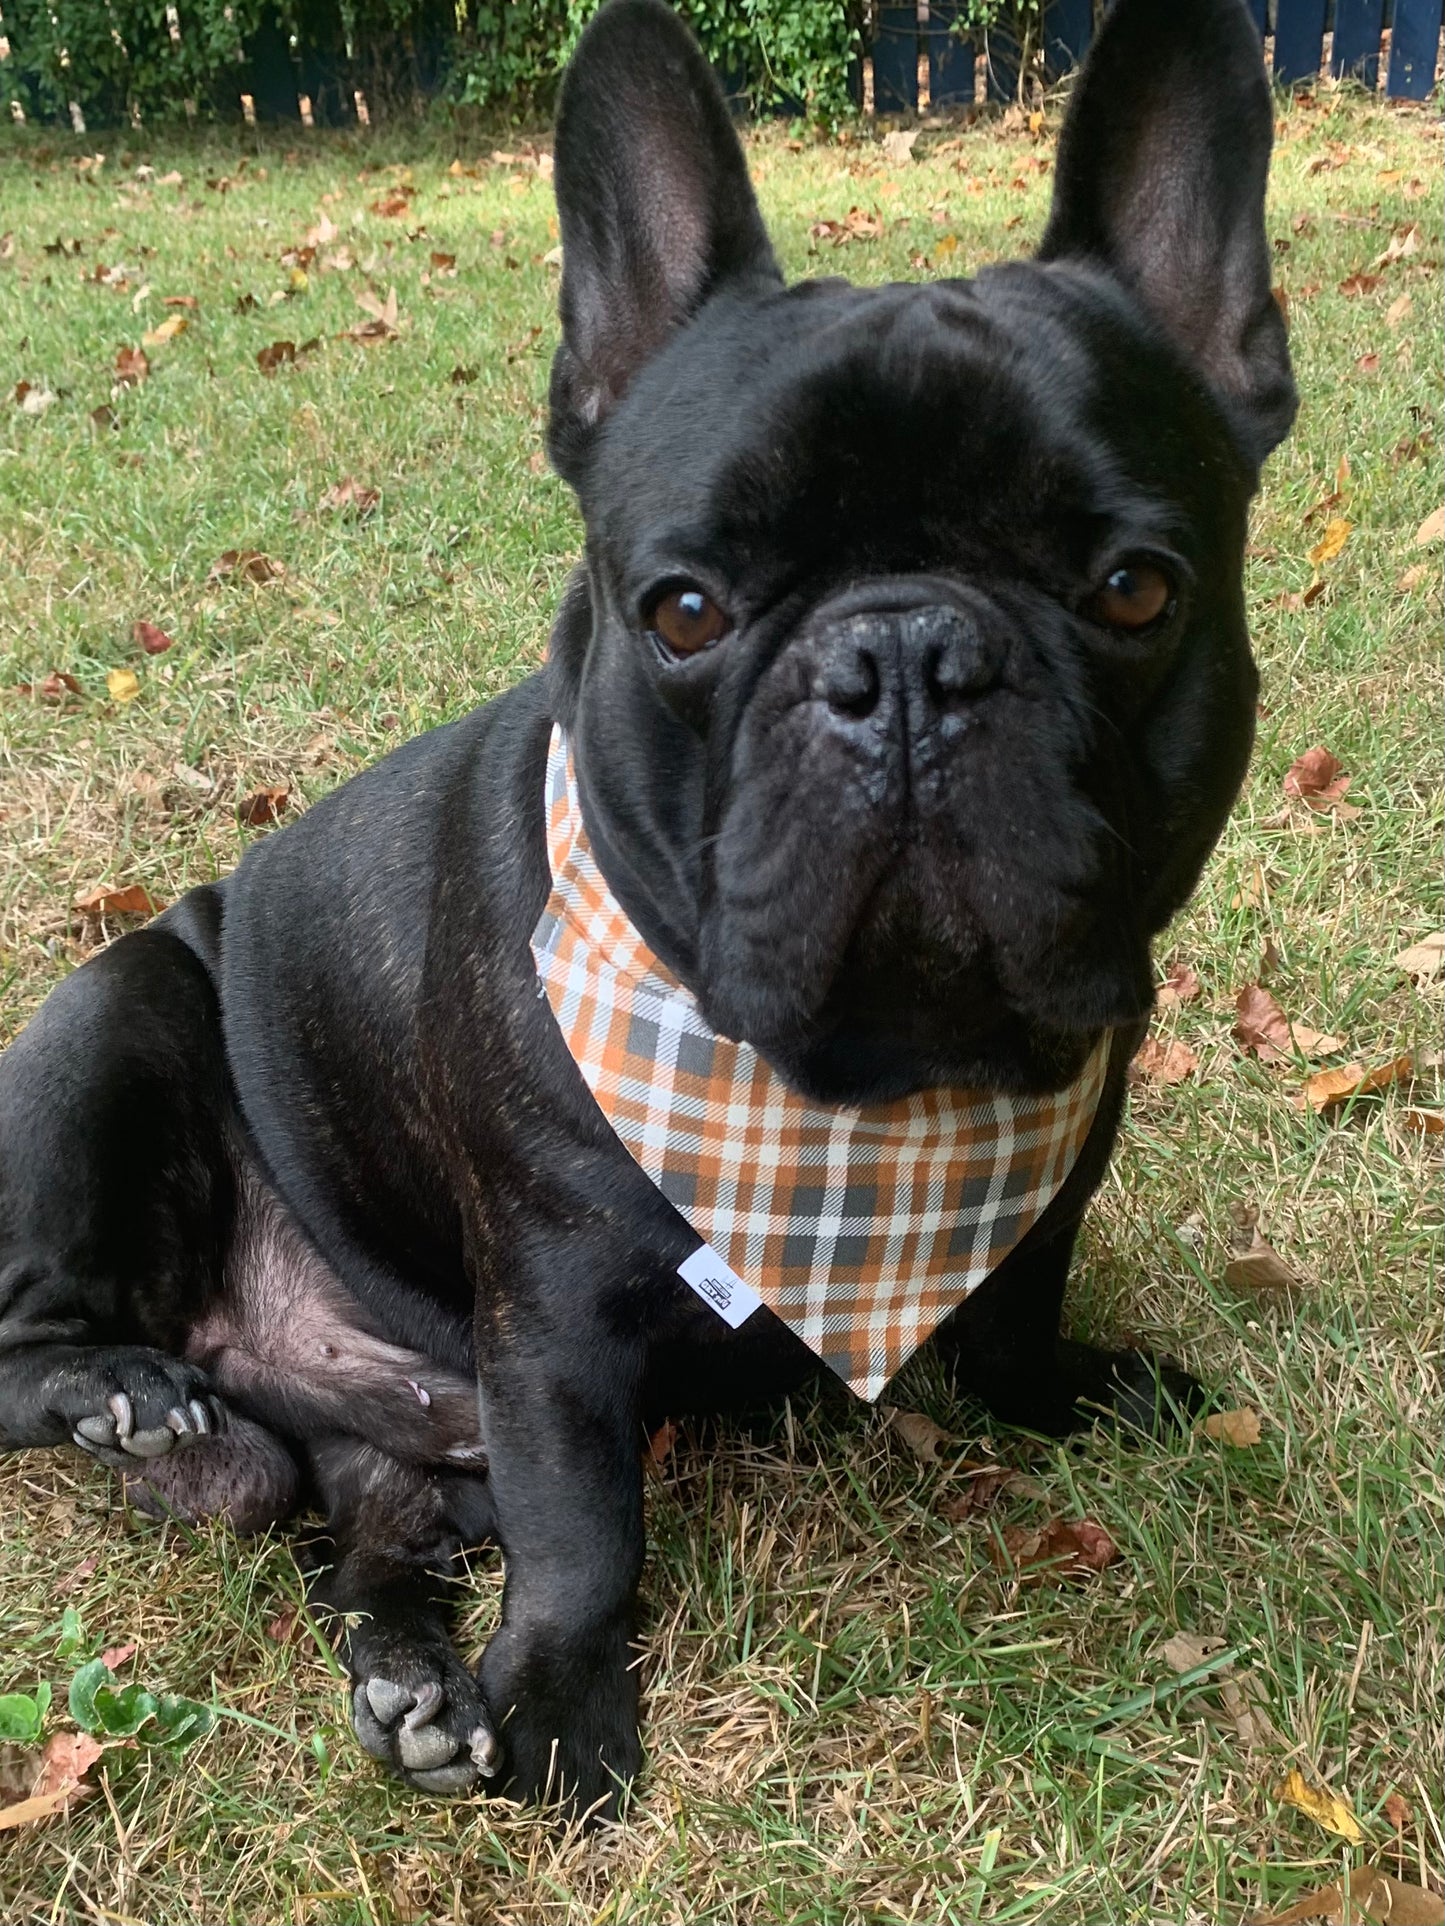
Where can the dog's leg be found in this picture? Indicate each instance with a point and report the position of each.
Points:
(115, 1204)
(1007, 1351)
(560, 1389)
(395, 1531)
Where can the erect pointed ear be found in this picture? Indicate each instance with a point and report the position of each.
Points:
(1160, 180)
(656, 209)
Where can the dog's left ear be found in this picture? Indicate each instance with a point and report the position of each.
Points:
(655, 205)
(1162, 167)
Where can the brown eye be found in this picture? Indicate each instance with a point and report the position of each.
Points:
(686, 621)
(1134, 597)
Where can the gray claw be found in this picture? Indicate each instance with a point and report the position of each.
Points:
(460, 1776)
(200, 1417)
(149, 1444)
(425, 1750)
(120, 1404)
(429, 1701)
(95, 1431)
(485, 1752)
(386, 1699)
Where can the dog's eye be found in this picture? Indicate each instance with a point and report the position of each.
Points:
(686, 621)
(1135, 596)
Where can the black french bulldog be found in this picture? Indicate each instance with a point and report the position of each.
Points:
(909, 687)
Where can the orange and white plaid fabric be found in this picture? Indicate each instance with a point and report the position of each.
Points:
(862, 1228)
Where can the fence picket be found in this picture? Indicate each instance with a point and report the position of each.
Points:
(1299, 40)
(1356, 51)
(895, 60)
(950, 57)
(1414, 44)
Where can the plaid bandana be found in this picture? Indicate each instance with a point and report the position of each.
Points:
(861, 1228)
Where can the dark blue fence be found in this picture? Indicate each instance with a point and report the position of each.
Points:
(1354, 39)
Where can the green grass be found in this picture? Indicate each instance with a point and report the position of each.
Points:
(851, 1715)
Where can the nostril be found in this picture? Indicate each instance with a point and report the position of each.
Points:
(959, 667)
(852, 685)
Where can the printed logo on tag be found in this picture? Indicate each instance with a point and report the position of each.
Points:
(719, 1285)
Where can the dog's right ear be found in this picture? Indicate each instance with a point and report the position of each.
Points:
(656, 209)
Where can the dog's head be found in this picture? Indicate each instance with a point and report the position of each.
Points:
(907, 675)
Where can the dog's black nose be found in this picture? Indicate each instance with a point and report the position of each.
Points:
(931, 659)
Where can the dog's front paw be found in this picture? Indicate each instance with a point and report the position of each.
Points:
(132, 1404)
(423, 1717)
(1152, 1395)
(568, 1713)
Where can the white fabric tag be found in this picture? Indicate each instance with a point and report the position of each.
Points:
(719, 1285)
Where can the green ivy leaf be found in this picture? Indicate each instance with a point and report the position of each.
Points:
(22, 1715)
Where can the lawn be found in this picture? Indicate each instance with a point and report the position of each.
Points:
(852, 1714)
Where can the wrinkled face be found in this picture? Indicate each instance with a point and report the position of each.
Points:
(916, 683)
(907, 676)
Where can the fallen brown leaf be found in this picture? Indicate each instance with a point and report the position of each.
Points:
(57, 686)
(1431, 530)
(1397, 310)
(660, 1444)
(1372, 1895)
(263, 806)
(1357, 284)
(114, 1656)
(1181, 985)
(928, 1442)
(104, 416)
(1158, 1062)
(1424, 1123)
(1063, 1548)
(64, 1762)
(1402, 243)
(1397, 1810)
(393, 206)
(247, 562)
(283, 1626)
(1185, 1650)
(280, 354)
(983, 1484)
(353, 495)
(1368, 363)
(1262, 1026)
(1239, 1427)
(1423, 959)
(1328, 1089)
(1411, 578)
(382, 325)
(443, 263)
(153, 640)
(131, 366)
(180, 301)
(127, 899)
(1256, 1265)
(1316, 776)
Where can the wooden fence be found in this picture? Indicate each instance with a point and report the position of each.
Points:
(918, 56)
(916, 46)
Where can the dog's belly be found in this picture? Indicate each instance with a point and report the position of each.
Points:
(287, 1345)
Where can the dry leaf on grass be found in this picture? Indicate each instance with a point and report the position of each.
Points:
(153, 640)
(1424, 1123)
(263, 806)
(1256, 1265)
(1318, 779)
(66, 1759)
(1397, 1810)
(1328, 1089)
(1373, 1895)
(660, 1445)
(1337, 532)
(248, 563)
(1431, 530)
(1157, 1062)
(167, 331)
(129, 899)
(280, 354)
(131, 365)
(983, 1484)
(58, 685)
(1423, 959)
(1239, 1427)
(382, 325)
(1326, 1808)
(1355, 285)
(1185, 1650)
(353, 495)
(283, 1626)
(1063, 1548)
(123, 684)
(1262, 1026)
(928, 1442)
(180, 301)
(1181, 985)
